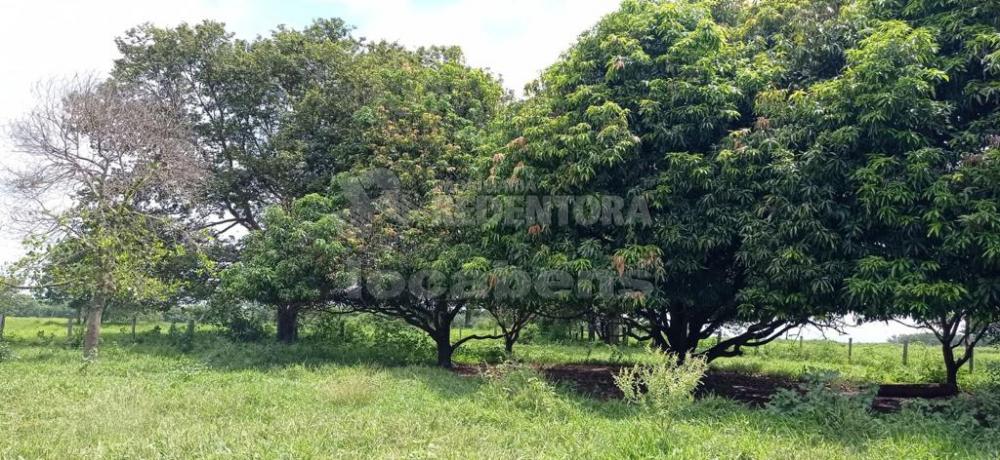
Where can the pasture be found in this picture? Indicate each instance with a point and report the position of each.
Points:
(377, 394)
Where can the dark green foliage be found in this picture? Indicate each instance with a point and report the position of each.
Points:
(268, 113)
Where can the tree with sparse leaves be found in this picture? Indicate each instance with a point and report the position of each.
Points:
(123, 163)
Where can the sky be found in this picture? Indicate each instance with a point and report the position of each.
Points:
(516, 39)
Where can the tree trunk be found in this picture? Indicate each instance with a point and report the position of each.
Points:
(610, 325)
(468, 318)
(442, 339)
(288, 324)
(444, 351)
(134, 320)
(3, 324)
(93, 332)
(950, 364)
(508, 343)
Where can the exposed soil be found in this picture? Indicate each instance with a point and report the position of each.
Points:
(597, 380)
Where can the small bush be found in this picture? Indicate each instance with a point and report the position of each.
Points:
(664, 385)
(819, 401)
(968, 411)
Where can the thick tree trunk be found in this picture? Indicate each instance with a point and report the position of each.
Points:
(444, 351)
(288, 324)
(442, 339)
(92, 335)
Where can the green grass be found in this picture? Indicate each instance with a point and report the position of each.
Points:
(869, 363)
(148, 399)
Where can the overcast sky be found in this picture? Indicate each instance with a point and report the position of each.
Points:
(42, 39)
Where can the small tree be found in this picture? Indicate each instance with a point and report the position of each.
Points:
(105, 168)
(289, 263)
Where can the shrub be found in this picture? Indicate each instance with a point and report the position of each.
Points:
(969, 411)
(664, 385)
(819, 401)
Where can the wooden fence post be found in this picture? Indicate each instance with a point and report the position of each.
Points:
(906, 352)
(3, 324)
(69, 327)
(972, 361)
(850, 350)
(134, 320)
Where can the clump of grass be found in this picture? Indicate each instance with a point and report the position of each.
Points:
(523, 387)
(663, 385)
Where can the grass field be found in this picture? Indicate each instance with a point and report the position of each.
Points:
(153, 398)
